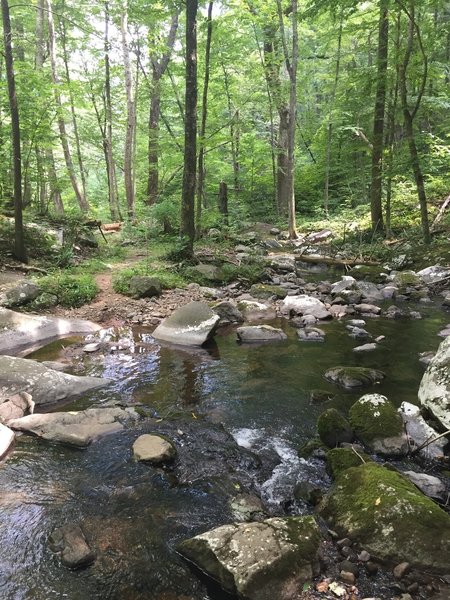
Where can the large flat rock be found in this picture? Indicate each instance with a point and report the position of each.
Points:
(191, 325)
(434, 390)
(20, 331)
(75, 428)
(45, 385)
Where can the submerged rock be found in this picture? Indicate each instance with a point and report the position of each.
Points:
(260, 333)
(434, 390)
(70, 543)
(378, 425)
(75, 428)
(333, 428)
(385, 513)
(311, 334)
(258, 561)
(354, 377)
(154, 449)
(191, 325)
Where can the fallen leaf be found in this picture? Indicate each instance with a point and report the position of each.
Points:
(377, 501)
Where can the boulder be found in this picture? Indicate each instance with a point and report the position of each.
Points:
(340, 459)
(141, 286)
(285, 263)
(311, 334)
(434, 274)
(354, 377)
(333, 428)
(260, 333)
(258, 561)
(45, 385)
(20, 293)
(15, 407)
(228, 312)
(305, 305)
(154, 449)
(256, 311)
(71, 545)
(434, 390)
(208, 272)
(389, 517)
(378, 425)
(191, 325)
(6, 439)
(367, 309)
(431, 486)
(75, 428)
(265, 291)
(247, 508)
(420, 432)
(20, 331)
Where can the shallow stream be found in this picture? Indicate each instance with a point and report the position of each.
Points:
(133, 513)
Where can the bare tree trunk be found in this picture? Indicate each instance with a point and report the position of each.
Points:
(326, 191)
(83, 204)
(131, 115)
(376, 189)
(409, 115)
(234, 134)
(223, 201)
(201, 150)
(187, 228)
(19, 241)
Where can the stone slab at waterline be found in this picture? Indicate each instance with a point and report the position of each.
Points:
(75, 428)
(258, 561)
(45, 385)
(21, 331)
(260, 333)
(191, 325)
(434, 390)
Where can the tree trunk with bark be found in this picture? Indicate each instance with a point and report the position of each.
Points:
(187, 229)
(19, 240)
(131, 115)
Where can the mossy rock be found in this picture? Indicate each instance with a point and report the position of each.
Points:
(378, 425)
(406, 278)
(265, 291)
(367, 273)
(354, 377)
(333, 428)
(340, 459)
(309, 447)
(386, 514)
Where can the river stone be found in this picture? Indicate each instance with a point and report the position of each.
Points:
(305, 305)
(311, 334)
(20, 331)
(366, 347)
(70, 543)
(45, 385)
(6, 439)
(191, 325)
(228, 312)
(208, 272)
(258, 561)
(431, 486)
(265, 291)
(389, 517)
(367, 309)
(420, 432)
(434, 274)
(354, 377)
(247, 508)
(142, 286)
(333, 428)
(256, 311)
(75, 428)
(15, 407)
(285, 263)
(260, 333)
(21, 293)
(154, 449)
(378, 425)
(434, 390)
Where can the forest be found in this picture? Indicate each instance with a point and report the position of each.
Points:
(168, 115)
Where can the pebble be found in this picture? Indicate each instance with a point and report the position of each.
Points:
(401, 570)
(364, 556)
(343, 542)
(371, 568)
(349, 567)
(347, 577)
(91, 347)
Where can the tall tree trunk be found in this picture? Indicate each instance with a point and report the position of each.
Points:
(187, 229)
(131, 115)
(201, 150)
(408, 115)
(82, 202)
(376, 188)
(19, 241)
(326, 191)
(159, 67)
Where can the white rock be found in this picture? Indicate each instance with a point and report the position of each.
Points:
(6, 439)
(434, 390)
(153, 448)
(305, 305)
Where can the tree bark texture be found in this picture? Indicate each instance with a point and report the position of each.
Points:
(131, 116)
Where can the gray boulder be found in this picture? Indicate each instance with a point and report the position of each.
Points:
(154, 449)
(304, 305)
(258, 561)
(15, 407)
(260, 333)
(191, 325)
(45, 385)
(434, 390)
(20, 331)
(434, 274)
(20, 293)
(256, 311)
(354, 377)
(311, 334)
(209, 272)
(141, 286)
(228, 312)
(284, 263)
(6, 439)
(419, 432)
(75, 428)
(71, 545)
(431, 486)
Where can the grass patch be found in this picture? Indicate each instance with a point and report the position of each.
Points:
(168, 277)
(71, 290)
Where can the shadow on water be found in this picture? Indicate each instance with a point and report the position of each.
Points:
(132, 513)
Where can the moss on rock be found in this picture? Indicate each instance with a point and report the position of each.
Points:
(264, 291)
(340, 459)
(333, 428)
(373, 416)
(389, 517)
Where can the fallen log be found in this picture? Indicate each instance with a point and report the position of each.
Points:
(26, 268)
(112, 227)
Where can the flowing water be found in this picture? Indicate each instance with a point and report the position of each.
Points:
(133, 513)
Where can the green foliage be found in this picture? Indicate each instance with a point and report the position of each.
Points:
(71, 290)
(40, 244)
(169, 278)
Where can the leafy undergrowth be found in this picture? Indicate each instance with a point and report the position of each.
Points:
(71, 291)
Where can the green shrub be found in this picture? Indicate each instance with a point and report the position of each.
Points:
(71, 290)
(169, 278)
